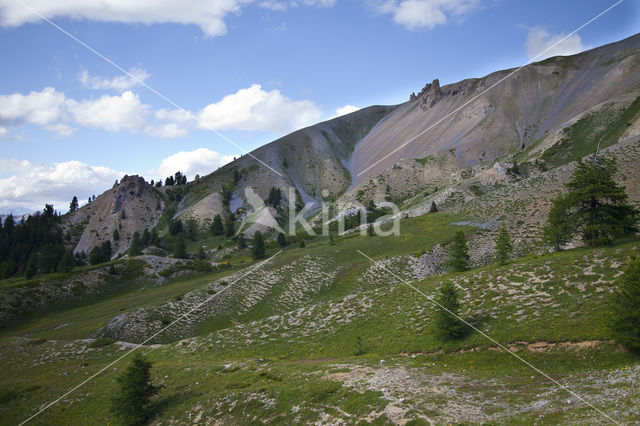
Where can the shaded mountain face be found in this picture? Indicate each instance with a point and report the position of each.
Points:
(548, 113)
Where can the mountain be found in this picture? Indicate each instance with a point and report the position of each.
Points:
(476, 128)
(325, 329)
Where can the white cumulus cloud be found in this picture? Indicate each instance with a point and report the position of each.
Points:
(539, 40)
(256, 109)
(43, 108)
(201, 162)
(208, 15)
(120, 83)
(111, 113)
(425, 14)
(344, 110)
(31, 185)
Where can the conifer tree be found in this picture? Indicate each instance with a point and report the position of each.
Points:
(180, 248)
(596, 206)
(74, 204)
(282, 239)
(136, 247)
(116, 235)
(504, 248)
(132, 402)
(216, 226)
(67, 262)
(433, 208)
(229, 229)
(625, 304)
(258, 249)
(201, 254)
(447, 326)
(458, 253)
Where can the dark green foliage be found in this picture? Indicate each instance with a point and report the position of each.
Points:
(446, 325)
(74, 204)
(31, 268)
(50, 256)
(625, 303)
(504, 248)
(145, 239)
(229, 229)
(100, 253)
(332, 240)
(458, 253)
(227, 193)
(370, 230)
(433, 208)
(67, 262)
(115, 235)
(201, 254)
(302, 244)
(123, 215)
(136, 246)
(359, 346)
(275, 195)
(175, 226)
(180, 248)
(180, 179)
(258, 248)
(216, 226)
(282, 239)
(37, 239)
(132, 402)
(153, 238)
(559, 227)
(169, 181)
(596, 207)
(242, 243)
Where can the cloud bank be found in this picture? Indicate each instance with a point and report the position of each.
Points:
(539, 40)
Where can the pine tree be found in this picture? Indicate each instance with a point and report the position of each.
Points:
(258, 249)
(153, 239)
(559, 227)
(242, 243)
(216, 226)
(74, 204)
(145, 239)
(596, 207)
(433, 208)
(282, 239)
(504, 248)
(67, 262)
(32, 267)
(180, 248)
(136, 247)
(302, 244)
(446, 325)
(201, 254)
(625, 303)
(123, 216)
(116, 235)
(132, 403)
(229, 229)
(370, 230)
(458, 253)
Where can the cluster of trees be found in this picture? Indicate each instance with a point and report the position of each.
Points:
(138, 242)
(177, 179)
(35, 245)
(101, 253)
(228, 229)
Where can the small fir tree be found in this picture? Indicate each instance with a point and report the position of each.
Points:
(258, 249)
(131, 404)
(624, 320)
(504, 248)
(458, 253)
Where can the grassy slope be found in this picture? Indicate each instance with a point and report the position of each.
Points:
(301, 359)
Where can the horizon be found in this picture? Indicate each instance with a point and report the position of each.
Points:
(59, 95)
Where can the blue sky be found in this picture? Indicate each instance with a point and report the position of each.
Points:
(70, 123)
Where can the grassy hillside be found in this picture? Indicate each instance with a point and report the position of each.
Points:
(301, 365)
